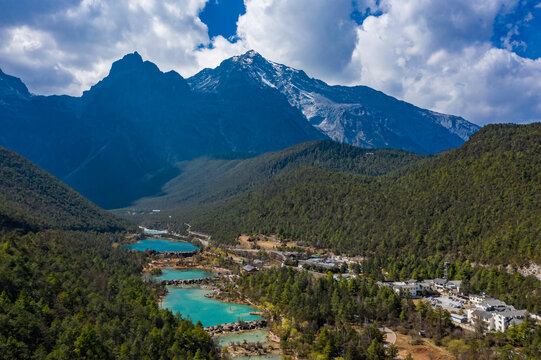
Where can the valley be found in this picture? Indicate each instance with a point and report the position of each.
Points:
(291, 253)
(255, 212)
(124, 138)
(274, 284)
(235, 266)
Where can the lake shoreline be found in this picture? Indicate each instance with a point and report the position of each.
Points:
(205, 297)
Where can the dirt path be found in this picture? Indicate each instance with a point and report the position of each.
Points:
(426, 351)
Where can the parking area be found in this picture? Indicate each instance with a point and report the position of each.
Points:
(448, 303)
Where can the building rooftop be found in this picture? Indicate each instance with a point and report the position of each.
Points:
(493, 303)
(485, 315)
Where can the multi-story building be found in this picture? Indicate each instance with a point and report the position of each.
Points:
(494, 314)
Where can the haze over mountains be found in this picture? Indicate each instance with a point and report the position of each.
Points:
(120, 141)
(205, 182)
(33, 200)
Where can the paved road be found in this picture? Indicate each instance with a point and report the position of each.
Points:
(390, 336)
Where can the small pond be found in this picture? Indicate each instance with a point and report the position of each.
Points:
(162, 245)
(182, 274)
(256, 336)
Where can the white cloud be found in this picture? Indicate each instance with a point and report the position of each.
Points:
(434, 53)
(76, 41)
(438, 55)
(25, 43)
(317, 36)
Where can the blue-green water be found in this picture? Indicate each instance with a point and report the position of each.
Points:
(155, 232)
(162, 245)
(192, 304)
(249, 336)
(182, 274)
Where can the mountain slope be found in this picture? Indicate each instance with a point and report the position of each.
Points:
(120, 141)
(357, 115)
(480, 202)
(11, 86)
(32, 200)
(211, 180)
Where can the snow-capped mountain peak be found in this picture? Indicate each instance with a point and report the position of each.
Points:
(356, 115)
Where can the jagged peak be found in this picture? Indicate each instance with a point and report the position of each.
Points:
(129, 63)
(13, 86)
(251, 54)
(133, 66)
(253, 60)
(248, 58)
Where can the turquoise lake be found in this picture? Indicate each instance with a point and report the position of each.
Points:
(182, 274)
(255, 336)
(162, 245)
(155, 232)
(192, 304)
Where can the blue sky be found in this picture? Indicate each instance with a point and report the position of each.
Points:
(221, 17)
(478, 59)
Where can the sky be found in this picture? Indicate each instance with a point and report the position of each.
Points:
(478, 59)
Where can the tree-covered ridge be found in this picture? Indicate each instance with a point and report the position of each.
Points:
(73, 295)
(32, 199)
(480, 202)
(207, 182)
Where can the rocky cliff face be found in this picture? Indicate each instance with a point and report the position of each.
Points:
(357, 115)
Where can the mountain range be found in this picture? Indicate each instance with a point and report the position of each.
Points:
(122, 139)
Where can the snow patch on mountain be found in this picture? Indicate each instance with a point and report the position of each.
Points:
(356, 115)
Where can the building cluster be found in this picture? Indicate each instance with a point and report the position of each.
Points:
(329, 262)
(479, 310)
(493, 314)
(416, 288)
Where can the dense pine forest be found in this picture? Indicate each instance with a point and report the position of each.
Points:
(208, 182)
(72, 294)
(32, 199)
(479, 204)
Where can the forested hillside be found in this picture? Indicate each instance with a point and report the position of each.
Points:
(74, 294)
(480, 202)
(320, 318)
(32, 199)
(207, 182)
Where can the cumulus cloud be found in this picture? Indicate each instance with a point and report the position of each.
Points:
(436, 54)
(439, 55)
(75, 44)
(317, 36)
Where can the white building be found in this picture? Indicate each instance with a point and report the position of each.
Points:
(477, 299)
(494, 314)
(490, 304)
(411, 288)
(503, 320)
(454, 285)
(476, 316)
